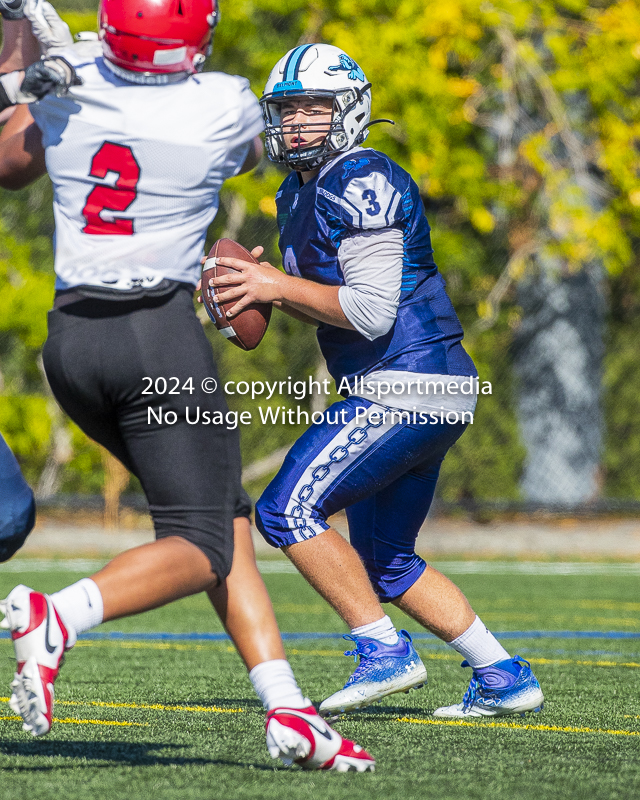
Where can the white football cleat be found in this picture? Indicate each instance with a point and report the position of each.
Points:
(507, 687)
(40, 639)
(384, 669)
(301, 736)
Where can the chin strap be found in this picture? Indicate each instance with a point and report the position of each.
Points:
(376, 121)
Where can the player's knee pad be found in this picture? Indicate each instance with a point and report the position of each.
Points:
(392, 578)
(17, 518)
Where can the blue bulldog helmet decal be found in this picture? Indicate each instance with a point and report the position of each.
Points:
(347, 64)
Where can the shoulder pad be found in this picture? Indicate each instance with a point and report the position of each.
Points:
(366, 187)
(363, 161)
(370, 201)
(79, 52)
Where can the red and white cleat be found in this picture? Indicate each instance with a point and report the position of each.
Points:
(301, 736)
(40, 639)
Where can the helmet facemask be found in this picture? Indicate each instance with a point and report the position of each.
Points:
(339, 131)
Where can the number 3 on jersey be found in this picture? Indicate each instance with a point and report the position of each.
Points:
(116, 158)
(374, 207)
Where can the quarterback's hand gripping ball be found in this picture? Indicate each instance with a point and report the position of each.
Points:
(249, 326)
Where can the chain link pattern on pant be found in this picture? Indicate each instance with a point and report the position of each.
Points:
(338, 454)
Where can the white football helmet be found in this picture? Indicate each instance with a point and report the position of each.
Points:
(317, 70)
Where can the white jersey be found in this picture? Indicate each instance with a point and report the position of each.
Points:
(136, 170)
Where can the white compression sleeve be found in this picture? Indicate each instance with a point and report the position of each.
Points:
(372, 266)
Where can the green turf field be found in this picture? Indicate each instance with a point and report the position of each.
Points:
(178, 719)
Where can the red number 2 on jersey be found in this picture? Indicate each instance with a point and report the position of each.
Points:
(112, 158)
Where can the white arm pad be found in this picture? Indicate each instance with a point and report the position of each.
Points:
(371, 263)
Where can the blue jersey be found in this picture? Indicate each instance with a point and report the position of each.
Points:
(364, 191)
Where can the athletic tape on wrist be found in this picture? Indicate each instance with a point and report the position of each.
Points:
(5, 102)
(11, 83)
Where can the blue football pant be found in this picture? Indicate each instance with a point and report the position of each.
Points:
(383, 473)
(17, 506)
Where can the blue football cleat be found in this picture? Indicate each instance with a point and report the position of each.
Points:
(508, 687)
(383, 669)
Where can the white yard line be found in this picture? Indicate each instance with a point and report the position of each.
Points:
(83, 565)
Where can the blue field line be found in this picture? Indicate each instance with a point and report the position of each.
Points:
(223, 637)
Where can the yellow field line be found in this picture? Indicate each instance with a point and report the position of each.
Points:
(144, 706)
(133, 645)
(154, 707)
(439, 656)
(71, 721)
(406, 720)
(325, 653)
(558, 661)
(337, 654)
(603, 605)
(631, 664)
(515, 726)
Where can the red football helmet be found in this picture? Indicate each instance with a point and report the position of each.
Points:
(157, 36)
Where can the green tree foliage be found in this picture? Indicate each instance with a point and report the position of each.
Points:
(25, 297)
(444, 72)
(448, 73)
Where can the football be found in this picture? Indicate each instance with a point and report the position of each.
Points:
(247, 329)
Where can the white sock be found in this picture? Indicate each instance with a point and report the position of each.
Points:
(80, 605)
(276, 687)
(383, 630)
(479, 646)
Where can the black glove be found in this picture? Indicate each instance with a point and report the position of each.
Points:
(50, 74)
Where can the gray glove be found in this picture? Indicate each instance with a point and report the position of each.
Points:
(12, 9)
(50, 31)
